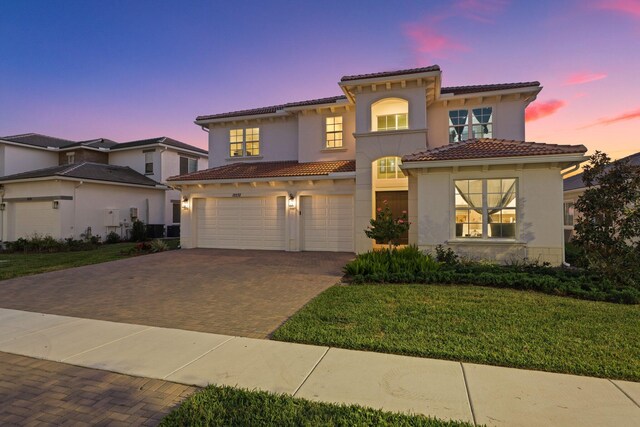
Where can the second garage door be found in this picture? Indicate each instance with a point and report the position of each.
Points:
(241, 223)
(36, 218)
(327, 223)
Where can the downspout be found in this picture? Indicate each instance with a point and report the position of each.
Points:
(75, 204)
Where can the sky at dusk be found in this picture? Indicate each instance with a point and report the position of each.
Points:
(128, 70)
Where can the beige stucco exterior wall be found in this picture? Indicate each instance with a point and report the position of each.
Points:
(312, 137)
(278, 141)
(508, 119)
(539, 204)
(298, 188)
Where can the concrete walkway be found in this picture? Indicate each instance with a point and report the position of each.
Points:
(444, 389)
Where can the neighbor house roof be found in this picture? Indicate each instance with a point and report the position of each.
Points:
(492, 148)
(89, 171)
(575, 182)
(460, 90)
(274, 108)
(159, 140)
(391, 73)
(45, 141)
(282, 169)
(39, 140)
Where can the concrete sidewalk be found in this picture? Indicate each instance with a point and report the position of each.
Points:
(444, 389)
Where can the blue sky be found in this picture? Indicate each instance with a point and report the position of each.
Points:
(137, 69)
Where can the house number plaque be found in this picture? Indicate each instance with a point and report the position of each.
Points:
(236, 195)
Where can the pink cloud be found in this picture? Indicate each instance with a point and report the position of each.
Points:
(582, 78)
(540, 109)
(628, 7)
(629, 115)
(426, 39)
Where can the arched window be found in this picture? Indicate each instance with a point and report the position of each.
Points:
(389, 114)
(389, 168)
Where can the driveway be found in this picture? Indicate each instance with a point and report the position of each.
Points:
(230, 292)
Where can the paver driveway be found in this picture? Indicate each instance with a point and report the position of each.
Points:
(231, 292)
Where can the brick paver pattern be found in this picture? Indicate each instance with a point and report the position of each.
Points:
(39, 392)
(230, 292)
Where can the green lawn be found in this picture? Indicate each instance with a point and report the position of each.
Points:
(475, 324)
(226, 406)
(20, 264)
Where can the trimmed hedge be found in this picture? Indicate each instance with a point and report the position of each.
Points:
(410, 265)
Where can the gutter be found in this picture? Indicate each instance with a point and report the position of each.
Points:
(421, 164)
(335, 175)
(84, 180)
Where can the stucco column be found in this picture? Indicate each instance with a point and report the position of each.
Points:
(363, 203)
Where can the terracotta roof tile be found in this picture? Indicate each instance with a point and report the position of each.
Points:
(269, 170)
(459, 90)
(391, 73)
(491, 148)
(274, 108)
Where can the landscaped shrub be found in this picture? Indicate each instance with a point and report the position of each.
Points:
(446, 256)
(138, 231)
(158, 245)
(47, 244)
(410, 265)
(112, 237)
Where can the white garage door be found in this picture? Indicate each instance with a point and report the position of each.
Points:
(241, 223)
(36, 217)
(327, 223)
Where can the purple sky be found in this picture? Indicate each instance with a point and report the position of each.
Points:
(138, 69)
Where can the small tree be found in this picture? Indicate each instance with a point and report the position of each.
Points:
(609, 226)
(138, 231)
(386, 229)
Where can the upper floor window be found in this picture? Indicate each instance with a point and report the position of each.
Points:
(188, 165)
(389, 168)
(333, 129)
(244, 142)
(390, 114)
(71, 158)
(486, 208)
(148, 162)
(481, 124)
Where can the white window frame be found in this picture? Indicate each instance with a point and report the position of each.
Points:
(243, 142)
(485, 210)
(71, 158)
(470, 124)
(395, 119)
(333, 132)
(148, 160)
(566, 206)
(397, 171)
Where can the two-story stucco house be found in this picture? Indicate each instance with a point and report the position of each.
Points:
(308, 176)
(62, 188)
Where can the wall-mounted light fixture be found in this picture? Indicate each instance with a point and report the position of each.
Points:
(3, 206)
(185, 203)
(291, 202)
(56, 204)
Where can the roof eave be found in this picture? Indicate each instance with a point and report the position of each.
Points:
(533, 89)
(568, 159)
(334, 175)
(279, 113)
(75, 179)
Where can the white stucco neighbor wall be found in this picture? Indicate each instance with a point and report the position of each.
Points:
(19, 159)
(539, 210)
(87, 208)
(278, 141)
(135, 159)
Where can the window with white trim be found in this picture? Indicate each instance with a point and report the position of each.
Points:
(389, 168)
(71, 158)
(569, 211)
(188, 165)
(481, 119)
(393, 121)
(486, 208)
(244, 142)
(333, 132)
(148, 163)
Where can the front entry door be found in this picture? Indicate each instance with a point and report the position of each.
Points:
(398, 201)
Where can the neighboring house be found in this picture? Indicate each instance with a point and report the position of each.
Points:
(64, 188)
(574, 187)
(310, 175)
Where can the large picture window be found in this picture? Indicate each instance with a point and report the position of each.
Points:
(244, 142)
(481, 125)
(486, 208)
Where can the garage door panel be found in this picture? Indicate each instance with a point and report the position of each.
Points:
(36, 218)
(327, 223)
(241, 223)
